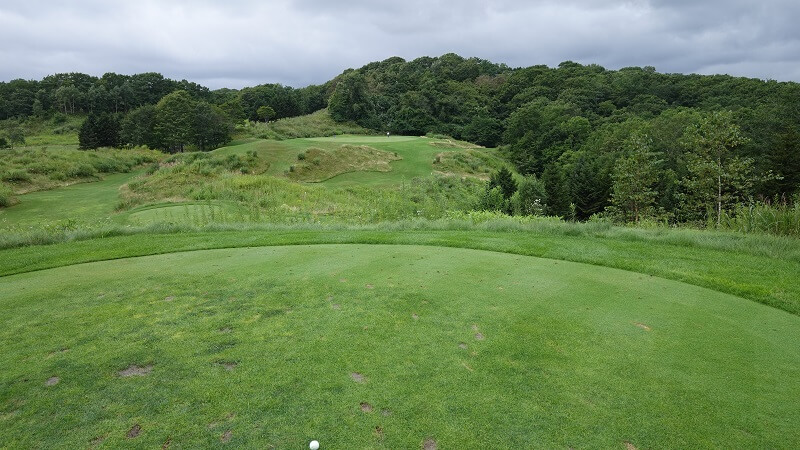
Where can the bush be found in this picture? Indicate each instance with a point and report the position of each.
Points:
(81, 171)
(15, 175)
(6, 196)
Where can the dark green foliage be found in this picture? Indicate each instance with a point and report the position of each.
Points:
(211, 128)
(101, 130)
(138, 127)
(557, 191)
(503, 179)
(174, 120)
(530, 198)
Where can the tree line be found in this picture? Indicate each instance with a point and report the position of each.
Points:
(631, 143)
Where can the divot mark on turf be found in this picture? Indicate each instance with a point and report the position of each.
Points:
(474, 327)
(629, 446)
(386, 412)
(336, 306)
(136, 371)
(169, 299)
(134, 432)
(479, 337)
(343, 280)
(358, 378)
(467, 367)
(57, 352)
(94, 443)
(643, 326)
(225, 330)
(52, 381)
(379, 432)
(462, 345)
(166, 443)
(429, 444)
(366, 407)
(228, 365)
(226, 436)
(415, 316)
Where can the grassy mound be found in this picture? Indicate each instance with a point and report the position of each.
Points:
(28, 169)
(317, 165)
(391, 346)
(315, 124)
(479, 163)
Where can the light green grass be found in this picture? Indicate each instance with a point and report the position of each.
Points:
(78, 202)
(572, 355)
(315, 124)
(190, 213)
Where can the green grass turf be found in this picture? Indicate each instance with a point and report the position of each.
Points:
(182, 212)
(571, 355)
(418, 155)
(79, 201)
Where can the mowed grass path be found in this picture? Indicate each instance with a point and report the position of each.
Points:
(365, 346)
(84, 201)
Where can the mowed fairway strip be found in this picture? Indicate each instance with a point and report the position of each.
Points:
(363, 346)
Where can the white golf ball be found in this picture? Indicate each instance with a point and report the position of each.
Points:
(313, 445)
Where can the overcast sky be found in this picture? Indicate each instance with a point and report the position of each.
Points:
(300, 42)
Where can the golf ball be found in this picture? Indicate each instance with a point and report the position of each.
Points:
(314, 445)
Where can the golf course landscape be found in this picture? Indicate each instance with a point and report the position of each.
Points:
(368, 337)
(372, 263)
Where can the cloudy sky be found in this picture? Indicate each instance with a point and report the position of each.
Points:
(240, 43)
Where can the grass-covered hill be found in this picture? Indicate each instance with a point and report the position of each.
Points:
(319, 279)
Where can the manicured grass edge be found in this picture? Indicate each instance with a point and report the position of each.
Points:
(755, 277)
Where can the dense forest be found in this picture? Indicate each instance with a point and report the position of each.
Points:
(631, 143)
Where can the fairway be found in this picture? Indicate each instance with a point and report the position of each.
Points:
(362, 346)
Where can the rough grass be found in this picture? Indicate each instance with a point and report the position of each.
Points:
(33, 169)
(315, 164)
(477, 162)
(257, 347)
(315, 124)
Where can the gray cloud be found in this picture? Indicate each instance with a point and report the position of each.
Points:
(297, 42)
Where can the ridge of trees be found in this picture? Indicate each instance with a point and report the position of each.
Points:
(632, 143)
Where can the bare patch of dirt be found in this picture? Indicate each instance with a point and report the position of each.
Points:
(52, 381)
(136, 371)
(57, 352)
(462, 345)
(358, 378)
(429, 444)
(479, 337)
(370, 286)
(134, 432)
(166, 443)
(228, 365)
(379, 432)
(643, 326)
(366, 407)
(226, 436)
(629, 446)
(94, 443)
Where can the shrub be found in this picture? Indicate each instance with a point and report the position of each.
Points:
(6, 196)
(15, 175)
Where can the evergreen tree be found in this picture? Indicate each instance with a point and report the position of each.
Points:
(505, 180)
(556, 191)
